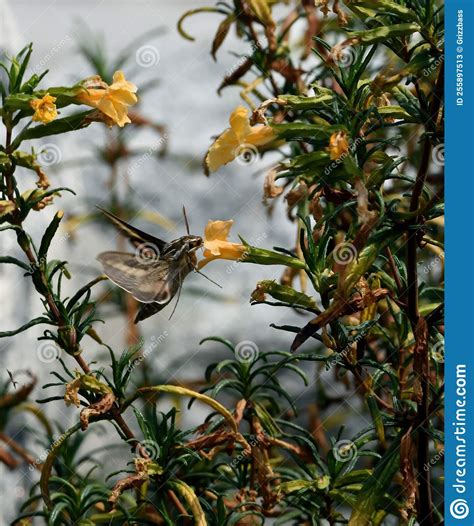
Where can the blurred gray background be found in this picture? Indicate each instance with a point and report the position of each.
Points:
(185, 101)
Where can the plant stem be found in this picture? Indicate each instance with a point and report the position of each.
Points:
(25, 245)
(425, 504)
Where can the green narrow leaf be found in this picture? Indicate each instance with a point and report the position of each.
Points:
(301, 102)
(14, 261)
(382, 33)
(48, 464)
(284, 294)
(376, 417)
(374, 488)
(24, 64)
(387, 6)
(35, 321)
(58, 126)
(83, 290)
(49, 234)
(303, 130)
(38, 195)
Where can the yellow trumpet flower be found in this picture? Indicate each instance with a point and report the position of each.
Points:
(236, 139)
(45, 109)
(113, 100)
(216, 245)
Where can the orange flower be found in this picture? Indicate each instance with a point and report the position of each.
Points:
(45, 109)
(338, 145)
(111, 100)
(237, 139)
(216, 245)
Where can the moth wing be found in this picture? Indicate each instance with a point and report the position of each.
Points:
(178, 271)
(170, 284)
(146, 283)
(135, 235)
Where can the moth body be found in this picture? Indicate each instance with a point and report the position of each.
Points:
(154, 274)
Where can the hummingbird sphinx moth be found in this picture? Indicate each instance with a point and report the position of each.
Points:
(154, 274)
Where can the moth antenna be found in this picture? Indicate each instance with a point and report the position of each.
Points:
(186, 220)
(176, 304)
(208, 278)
